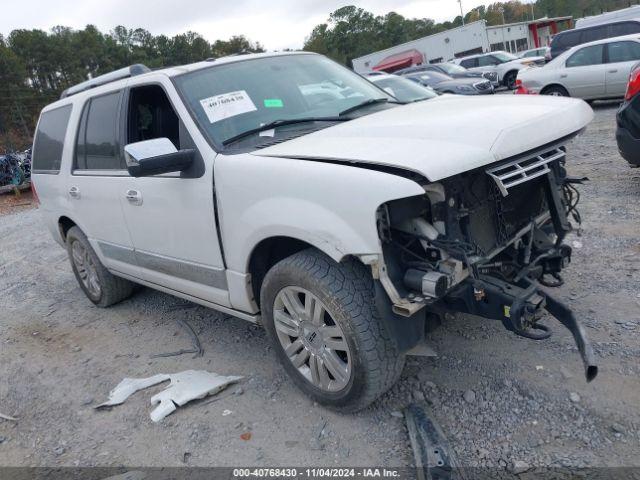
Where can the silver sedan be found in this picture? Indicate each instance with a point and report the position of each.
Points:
(595, 70)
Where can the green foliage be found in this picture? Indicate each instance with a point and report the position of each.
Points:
(36, 66)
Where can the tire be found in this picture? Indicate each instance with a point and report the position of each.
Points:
(98, 284)
(346, 292)
(510, 80)
(555, 91)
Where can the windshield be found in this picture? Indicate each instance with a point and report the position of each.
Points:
(504, 56)
(451, 68)
(404, 90)
(228, 100)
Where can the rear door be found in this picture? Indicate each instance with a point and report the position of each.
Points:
(97, 178)
(172, 217)
(621, 57)
(584, 72)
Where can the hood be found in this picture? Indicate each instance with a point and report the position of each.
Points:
(443, 136)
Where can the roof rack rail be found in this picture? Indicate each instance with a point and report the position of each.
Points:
(131, 71)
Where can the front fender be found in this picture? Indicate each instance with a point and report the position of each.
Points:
(330, 206)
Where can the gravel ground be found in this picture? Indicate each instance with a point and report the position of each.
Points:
(501, 399)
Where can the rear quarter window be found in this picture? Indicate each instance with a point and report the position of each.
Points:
(48, 143)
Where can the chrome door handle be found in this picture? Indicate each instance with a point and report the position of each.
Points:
(134, 197)
(74, 192)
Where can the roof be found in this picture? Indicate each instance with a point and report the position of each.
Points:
(169, 72)
(537, 21)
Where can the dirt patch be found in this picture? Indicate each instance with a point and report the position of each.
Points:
(12, 202)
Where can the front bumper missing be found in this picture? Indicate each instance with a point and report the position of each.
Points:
(520, 308)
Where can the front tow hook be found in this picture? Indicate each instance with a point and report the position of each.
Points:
(566, 317)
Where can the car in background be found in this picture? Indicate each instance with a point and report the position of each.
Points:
(563, 41)
(628, 120)
(451, 69)
(592, 71)
(403, 89)
(536, 52)
(504, 64)
(442, 83)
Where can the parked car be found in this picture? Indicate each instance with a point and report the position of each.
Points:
(504, 64)
(344, 228)
(451, 69)
(591, 71)
(542, 52)
(628, 119)
(442, 83)
(402, 89)
(563, 41)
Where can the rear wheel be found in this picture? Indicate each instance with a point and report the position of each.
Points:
(327, 333)
(555, 91)
(99, 285)
(510, 80)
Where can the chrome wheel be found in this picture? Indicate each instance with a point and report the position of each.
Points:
(312, 341)
(86, 269)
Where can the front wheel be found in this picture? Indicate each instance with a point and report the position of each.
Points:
(327, 333)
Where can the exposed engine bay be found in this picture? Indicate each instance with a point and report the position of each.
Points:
(485, 242)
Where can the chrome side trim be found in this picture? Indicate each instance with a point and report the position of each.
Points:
(193, 272)
(117, 252)
(229, 311)
(522, 170)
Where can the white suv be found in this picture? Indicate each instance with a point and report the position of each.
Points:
(504, 64)
(287, 190)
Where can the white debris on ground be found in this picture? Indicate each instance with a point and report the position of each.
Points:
(185, 386)
(7, 417)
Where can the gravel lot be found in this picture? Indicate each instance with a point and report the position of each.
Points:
(500, 398)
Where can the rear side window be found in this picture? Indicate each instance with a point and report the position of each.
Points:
(624, 28)
(623, 52)
(567, 40)
(586, 56)
(593, 34)
(469, 63)
(97, 145)
(49, 140)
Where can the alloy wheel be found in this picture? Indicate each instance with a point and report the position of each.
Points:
(86, 269)
(312, 341)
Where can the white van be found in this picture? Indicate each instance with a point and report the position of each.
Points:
(344, 222)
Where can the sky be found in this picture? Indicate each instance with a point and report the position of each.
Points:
(276, 24)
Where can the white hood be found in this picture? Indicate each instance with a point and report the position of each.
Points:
(444, 136)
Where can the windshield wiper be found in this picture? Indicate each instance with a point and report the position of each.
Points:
(371, 101)
(279, 123)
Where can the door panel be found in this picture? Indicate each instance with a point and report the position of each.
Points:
(621, 56)
(584, 72)
(97, 178)
(172, 218)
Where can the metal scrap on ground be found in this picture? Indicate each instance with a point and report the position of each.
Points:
(434, 459)
(185, 386)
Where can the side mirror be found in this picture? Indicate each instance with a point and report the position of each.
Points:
(153, 157)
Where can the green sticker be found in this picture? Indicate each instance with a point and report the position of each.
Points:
(273, 103)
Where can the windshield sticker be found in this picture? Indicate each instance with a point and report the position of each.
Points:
(226, 105)
(273, 103)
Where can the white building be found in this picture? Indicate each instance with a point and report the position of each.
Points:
(471, 38)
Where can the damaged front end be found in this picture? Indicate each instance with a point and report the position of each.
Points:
(485, 242)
